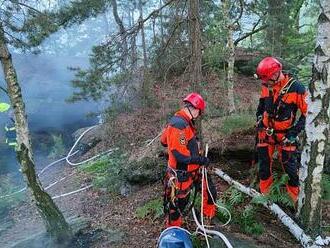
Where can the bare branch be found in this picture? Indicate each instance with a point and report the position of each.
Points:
(249, 34)
(241, 4)
(29, 7)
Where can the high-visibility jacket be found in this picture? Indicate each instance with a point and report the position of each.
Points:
(278, 106)
(4, 107)
(11, 134)
(179, 137)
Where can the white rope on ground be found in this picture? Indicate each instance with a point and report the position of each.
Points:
(213, 232)
(70, 154)
(295, 230)
(60, 180)
(39, 174)
(55, 162)
(89, 159)
(72, 192)
(14, 193)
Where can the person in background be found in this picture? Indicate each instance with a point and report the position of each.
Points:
(281, 98)
(184, 163)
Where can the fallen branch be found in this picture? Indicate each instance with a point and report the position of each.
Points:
(295, 230)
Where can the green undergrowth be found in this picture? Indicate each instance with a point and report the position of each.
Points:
(107, 171)
(278, 193)
(326, 187)
(152, 210)
(235, 123)
(242, 212)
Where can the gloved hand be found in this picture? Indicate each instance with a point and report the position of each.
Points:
(290, 137)
(204, 161)
(200, 160)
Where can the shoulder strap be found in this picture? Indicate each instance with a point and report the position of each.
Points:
(283, 91)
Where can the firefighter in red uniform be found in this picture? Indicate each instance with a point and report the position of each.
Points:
(184, 163)
(281, 97)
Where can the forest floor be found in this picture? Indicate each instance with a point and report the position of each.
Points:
(112, 218)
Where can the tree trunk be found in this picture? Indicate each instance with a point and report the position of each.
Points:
(143, 39)
(144, 80)
(122, 31)
(276, 17)
(161, 24)
(317, 128)
(196, 45)
(133, 41)
(54, 221)
(195, 64)
(230, 57)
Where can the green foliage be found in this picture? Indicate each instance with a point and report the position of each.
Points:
(277, 193)
(236, 123)
(152, 209)
(40, 25)
(248, 222)
(233, 200)
(222, 214)
(326, 187)
(236, 197)
(58, 148)
(197, 243)
(107, 171)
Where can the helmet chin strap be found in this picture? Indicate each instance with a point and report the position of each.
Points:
(192, 117)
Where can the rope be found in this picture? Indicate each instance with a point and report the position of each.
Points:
(72, 192)
(219, 234)
(89, 159)
(202, 218)
(202, 226)
(39, 174)
(70, 154)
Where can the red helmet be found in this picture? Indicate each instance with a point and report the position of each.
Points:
(196, 100)
(267, 68)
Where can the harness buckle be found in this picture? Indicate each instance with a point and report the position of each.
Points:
(269, 131)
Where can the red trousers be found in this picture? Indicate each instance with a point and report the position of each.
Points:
(287, 155)
(177, 195)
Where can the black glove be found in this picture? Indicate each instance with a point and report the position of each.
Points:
(200, 160)
(290, 136)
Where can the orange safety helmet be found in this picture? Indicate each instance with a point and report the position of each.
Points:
(267, 68)
(196, 100)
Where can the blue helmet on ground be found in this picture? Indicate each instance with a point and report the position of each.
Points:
(174, 237)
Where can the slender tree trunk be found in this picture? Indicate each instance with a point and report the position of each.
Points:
(54, 221)
(196, 45)
(144, 48)
(133, 42)
(230, 57)
(122, 31)
(145, 87)
(317, 128)
(195, 64)
(161, 24)
(276, 17)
